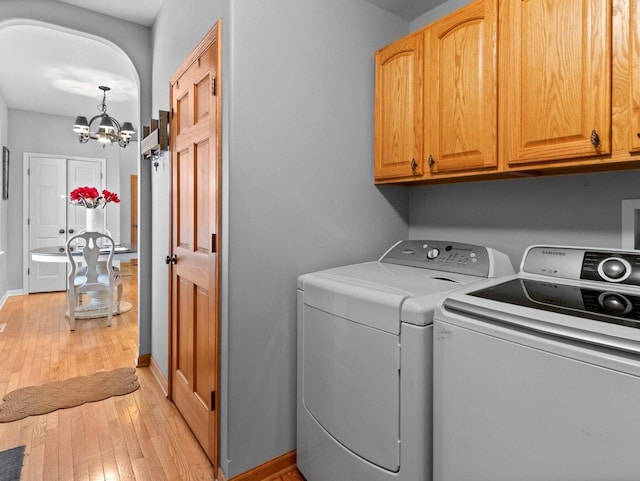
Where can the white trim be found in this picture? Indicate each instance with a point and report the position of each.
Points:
(26, 164)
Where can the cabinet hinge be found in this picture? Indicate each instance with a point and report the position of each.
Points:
(213, 86)
(28, 271)
(213, 400)
(28, 221)
(29, 171)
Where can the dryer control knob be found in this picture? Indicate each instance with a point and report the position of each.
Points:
(433, 253)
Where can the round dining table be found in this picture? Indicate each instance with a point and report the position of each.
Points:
(97, 306)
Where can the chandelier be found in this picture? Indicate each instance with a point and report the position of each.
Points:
(109, 129)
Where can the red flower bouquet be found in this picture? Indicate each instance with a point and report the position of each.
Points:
(90, 198)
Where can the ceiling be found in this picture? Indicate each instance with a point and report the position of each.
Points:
(58, 73)
(138, 11)
(407, 9)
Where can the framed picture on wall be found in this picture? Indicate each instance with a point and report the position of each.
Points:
(5, 173)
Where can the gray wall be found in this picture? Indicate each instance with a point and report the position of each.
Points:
(4, 210)
(510, 215)
(297, 184)
(437, 13)
(301, 193)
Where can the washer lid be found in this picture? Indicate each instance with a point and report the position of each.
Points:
(581, 311)
(378, 294)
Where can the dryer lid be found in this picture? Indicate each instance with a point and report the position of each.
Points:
(367, 303)
(378, 294)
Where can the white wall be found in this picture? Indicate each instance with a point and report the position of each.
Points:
(297, 184)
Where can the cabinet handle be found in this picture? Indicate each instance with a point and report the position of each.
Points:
(71, 231)
(595, 138)
(414, 165)
(61, 231)
(638, 134)
(171, 259)
(431, 161)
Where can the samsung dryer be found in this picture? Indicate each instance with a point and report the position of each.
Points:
(365, 359)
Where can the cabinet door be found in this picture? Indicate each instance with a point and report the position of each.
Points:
(399, 109)
(555, 87)
(461, 90)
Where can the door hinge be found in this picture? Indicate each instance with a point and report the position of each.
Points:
(213, 243)
(213, 86)
(213, 400)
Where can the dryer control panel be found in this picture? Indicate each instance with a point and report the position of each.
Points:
(443, 256)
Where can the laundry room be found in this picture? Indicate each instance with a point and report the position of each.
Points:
(322, 210)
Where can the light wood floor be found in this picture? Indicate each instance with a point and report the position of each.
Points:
(139, 436)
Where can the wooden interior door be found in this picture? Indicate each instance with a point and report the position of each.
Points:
(195, 218)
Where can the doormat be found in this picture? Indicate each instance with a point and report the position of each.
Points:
(11, 464)
(46, 398)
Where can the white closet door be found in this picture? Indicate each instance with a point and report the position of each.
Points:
(47, 220)
(81, 173)
(51, 218)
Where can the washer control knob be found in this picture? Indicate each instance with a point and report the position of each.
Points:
(616, 304)
(433, 253)
(614, 269)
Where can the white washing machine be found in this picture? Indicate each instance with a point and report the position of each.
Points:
(365, 359)
(537, 375)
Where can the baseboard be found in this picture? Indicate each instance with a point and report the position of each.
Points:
(268, 471)
(143, 360)
(159, 377)
(8, 294)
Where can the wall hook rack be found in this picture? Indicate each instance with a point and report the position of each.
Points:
(156, 137)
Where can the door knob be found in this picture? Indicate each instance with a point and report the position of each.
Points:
(171, 259)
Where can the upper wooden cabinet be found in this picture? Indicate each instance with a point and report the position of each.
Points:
(555, 80)
(512, 87)
(461, 90)
(399, 109)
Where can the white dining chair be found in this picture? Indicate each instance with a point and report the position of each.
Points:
(93, 275)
